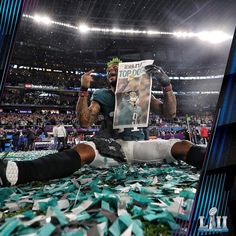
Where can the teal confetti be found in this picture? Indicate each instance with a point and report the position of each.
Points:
(46, 230)
(109, 200)
(7, 228)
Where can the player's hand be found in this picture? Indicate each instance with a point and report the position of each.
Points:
(86, 79)
(159, 74)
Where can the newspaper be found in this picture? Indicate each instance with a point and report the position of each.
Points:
(132, 95)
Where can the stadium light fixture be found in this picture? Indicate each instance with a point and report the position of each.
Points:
(42, 19)
(213, 37)
(181, 34)
(115, 30)
(84, 28)
(153, 32)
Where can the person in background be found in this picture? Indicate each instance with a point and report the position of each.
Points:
(60, 132)
(15, 140)
(22, 141)
(186, 135)
(3, 137)
(204, 133)
(30, 140)
(42, 136)
(54, 123)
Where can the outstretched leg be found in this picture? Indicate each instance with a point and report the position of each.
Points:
(157, 151)
(53, 166)
(65, 163)
(188, 152)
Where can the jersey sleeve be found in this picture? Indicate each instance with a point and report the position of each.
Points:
(99, 96)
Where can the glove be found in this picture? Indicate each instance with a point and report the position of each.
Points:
(109, 148)
(159, 74)
(86, 79)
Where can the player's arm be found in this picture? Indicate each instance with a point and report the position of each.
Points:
(87, 114)
(84, 113)
(167, 108)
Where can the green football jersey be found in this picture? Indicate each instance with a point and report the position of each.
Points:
(106, 100)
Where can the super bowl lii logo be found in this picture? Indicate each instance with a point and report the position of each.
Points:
(215, 223)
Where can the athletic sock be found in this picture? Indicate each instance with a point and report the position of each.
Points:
(12, 172)
(52, 166)
(196, 156)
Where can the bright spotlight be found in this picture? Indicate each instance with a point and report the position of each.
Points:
(153, 32)
(116, 30)
(83, 28)
(37, 18)
(43, 19)
(180, 34)
(213, 36)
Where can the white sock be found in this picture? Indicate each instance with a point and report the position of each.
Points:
(153, 151)
(101, 161)
(12, 172)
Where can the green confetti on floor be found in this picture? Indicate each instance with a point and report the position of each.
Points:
(137, 198)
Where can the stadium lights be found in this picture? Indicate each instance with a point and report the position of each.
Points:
(83, 28)
(42, 19)
(117, 30)
(213, 37)
(184, 34)
(47, 20)
(154, 32)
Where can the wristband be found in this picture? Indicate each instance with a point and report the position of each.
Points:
(167, 88)
(83, 93)
(83, 89)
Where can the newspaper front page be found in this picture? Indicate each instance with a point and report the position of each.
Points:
(132, 95)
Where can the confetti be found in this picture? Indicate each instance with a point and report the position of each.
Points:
(114, 201)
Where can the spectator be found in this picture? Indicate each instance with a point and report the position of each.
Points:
(186, 135)
(15, 140)
(3, 138)
(60, 132)
(204, 133)
(30, 140)
(42, 136)
(22, 141)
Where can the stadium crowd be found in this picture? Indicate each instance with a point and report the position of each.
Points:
(64, 80)
(27, 129)
(39, 126)
(13, 97)
(67, 80)
(20, 121)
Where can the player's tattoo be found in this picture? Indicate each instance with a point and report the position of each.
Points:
(86, 114)
(94, 110)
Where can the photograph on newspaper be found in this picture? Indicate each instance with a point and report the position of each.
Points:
(132, 96)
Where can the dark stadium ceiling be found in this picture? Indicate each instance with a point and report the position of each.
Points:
(54, 45)
(163, 14)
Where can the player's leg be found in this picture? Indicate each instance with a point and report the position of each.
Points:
(148, 151)
(157, 151)
(151, 151)
(107, 153)
(52, 166)
(188, 152)
(58, 142)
